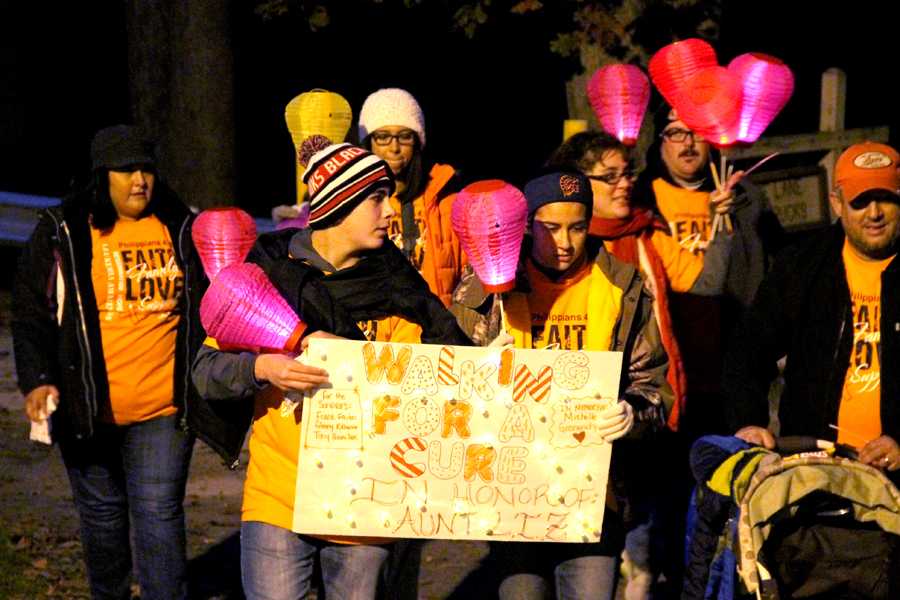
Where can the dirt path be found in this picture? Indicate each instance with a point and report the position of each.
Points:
(39, 524)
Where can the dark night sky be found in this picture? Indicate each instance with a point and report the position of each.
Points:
(493, 105)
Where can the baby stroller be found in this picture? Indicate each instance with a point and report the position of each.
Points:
(806, 521)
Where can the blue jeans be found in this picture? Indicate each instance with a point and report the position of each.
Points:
(277, 564)
(128, 485)
(534, 570)
(588, 577)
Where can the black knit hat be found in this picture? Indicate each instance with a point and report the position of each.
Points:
(121, 146)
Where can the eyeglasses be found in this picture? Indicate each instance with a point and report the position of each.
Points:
(679, 135)
(404, 138)
(614, 178)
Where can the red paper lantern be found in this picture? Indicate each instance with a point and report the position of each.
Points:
(767, 85)
(710, 105)
(619, 95)
(222, 236)
(242, 309)
(489, 217)
(673, 65)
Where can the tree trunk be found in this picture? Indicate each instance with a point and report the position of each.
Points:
(181, 82)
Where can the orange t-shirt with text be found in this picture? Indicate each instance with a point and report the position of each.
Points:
(559, 309)
(687, 213)
(138, 286)
(395, 229)
(859, 414)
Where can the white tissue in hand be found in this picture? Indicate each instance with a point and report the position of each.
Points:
(40, 430)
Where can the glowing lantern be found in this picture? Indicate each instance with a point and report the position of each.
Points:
(223, 236)
(489, 217)
(316, 113)
(767, 86)
(619, 95)
(673, 65)
(242, 309)
(301, 221)
(710, 105)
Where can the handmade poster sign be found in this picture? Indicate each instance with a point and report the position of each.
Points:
(430, 441)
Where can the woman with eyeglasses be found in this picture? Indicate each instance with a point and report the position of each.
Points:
(392, 126)
(638, 236)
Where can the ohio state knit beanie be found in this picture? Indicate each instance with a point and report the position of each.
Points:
(340, 177)
(391, 107)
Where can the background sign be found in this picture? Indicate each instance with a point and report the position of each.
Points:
(430, 441)
(798, 196)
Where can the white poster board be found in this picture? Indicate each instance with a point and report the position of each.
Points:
(449, 442)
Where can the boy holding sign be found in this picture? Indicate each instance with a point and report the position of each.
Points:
(342, 279)
(571, 295)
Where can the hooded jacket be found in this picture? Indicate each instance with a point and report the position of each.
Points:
(635, 334)
(55, 323)
(444, 260)
(803, 310)
(382, 284)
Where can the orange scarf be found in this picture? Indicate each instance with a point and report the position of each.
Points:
(622, 235)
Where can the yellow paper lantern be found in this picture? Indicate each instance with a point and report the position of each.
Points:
(316, 112)
(573, 126)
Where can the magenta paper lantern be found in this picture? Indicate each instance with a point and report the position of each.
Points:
(242, 309)
(710, 105)
(673, 65)
(301, 221)
(619, 95)
(489, 217)
(767, 86)
(223, 236)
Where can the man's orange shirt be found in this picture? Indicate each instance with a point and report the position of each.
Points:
(687, 213)
(859, 414)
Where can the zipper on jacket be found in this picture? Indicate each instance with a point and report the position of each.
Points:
(87, 362)
(187, 323)
(834, 357)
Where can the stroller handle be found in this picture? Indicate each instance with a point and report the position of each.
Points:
(795, 444)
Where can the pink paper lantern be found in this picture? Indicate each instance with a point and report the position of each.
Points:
(223, 236)
(767, 86)
(242, 309)
(619, 95)
(710, 105)
(489, 217)
(301, 221)
(673, 65)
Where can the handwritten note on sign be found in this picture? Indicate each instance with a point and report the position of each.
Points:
(428, 441)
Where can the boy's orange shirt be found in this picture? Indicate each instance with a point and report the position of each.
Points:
(275, 442)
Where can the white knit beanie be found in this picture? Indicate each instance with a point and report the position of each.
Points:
(391, 107)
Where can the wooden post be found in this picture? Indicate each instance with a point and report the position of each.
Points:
(832, 112)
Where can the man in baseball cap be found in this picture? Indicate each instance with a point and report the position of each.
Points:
(866, 197)
(832, 305)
